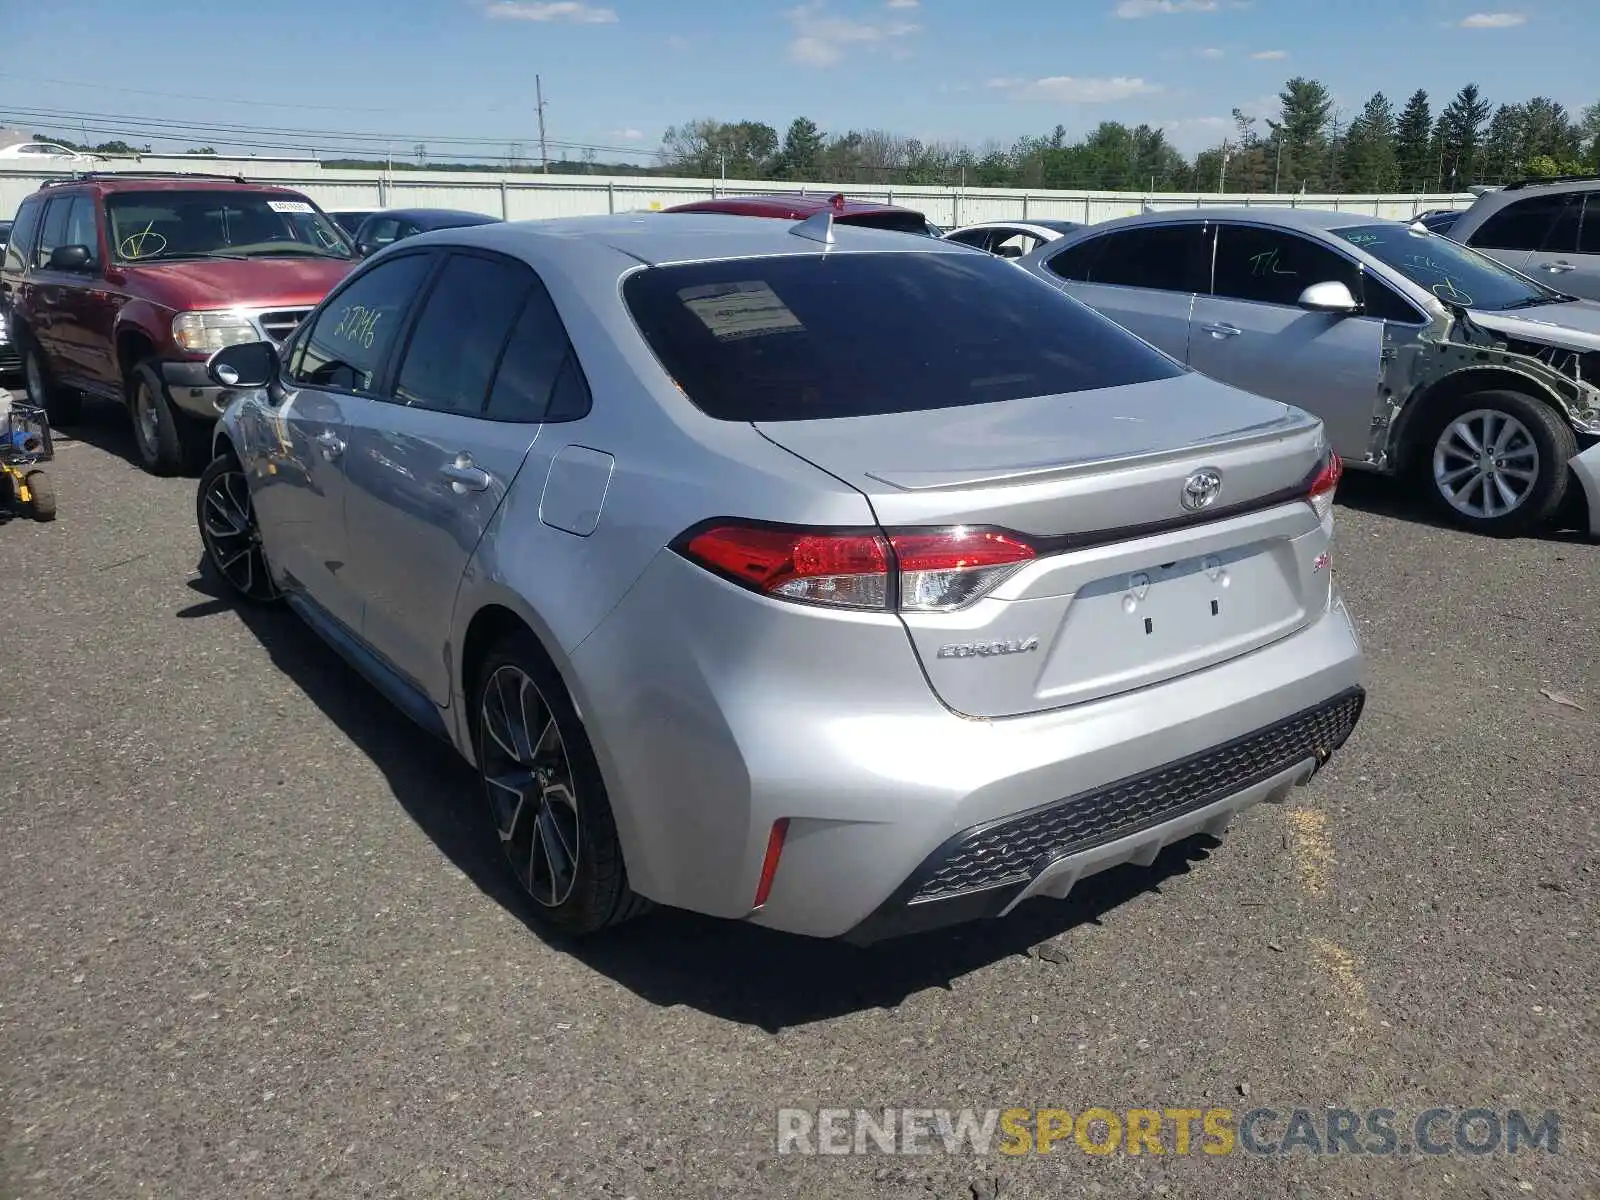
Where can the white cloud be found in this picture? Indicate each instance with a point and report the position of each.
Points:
(1498, 20)
(1076, 89)
(1270, 55)
(822, 39)
(1132, 10)
(903, 3)
(627, 135)
(677, 41)
(552, 10)
(1210, 52)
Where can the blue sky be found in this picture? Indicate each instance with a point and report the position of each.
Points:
(617, 72)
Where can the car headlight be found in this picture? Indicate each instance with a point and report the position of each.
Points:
(205, 332)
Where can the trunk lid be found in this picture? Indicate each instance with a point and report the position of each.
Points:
(1129, 587)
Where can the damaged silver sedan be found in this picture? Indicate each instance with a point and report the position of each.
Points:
(1424, 359)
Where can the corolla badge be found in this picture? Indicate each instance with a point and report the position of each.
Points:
(987, 649)
(1201, 488)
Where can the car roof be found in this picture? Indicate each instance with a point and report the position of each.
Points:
(795, 207)
(134, 182)
(435, 214)
(653, 239)
(1260, 214)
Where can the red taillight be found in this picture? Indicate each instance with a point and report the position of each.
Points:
(769, 864)
(937, 570)
(848, 570)
(1324, 485)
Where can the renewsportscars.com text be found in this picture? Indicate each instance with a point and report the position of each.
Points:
(1177, 1131)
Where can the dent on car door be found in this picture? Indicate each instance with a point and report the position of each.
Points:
(299, 487)
(1144, 278)
(1252, 333)
(431, 463)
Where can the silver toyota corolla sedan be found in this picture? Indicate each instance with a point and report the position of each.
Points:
(1426, 359)
(829, 578)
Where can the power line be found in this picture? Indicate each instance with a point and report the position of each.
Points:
(162, 129)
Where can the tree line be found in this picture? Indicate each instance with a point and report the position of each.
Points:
(1309, 147)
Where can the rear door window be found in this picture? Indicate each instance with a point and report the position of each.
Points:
(22, 234)
(539, 378)
(1589, 234)
(1272, 266)
(1076, 262)
(1168, 258)
(798, 337)
(460, 335)
(1521, 225)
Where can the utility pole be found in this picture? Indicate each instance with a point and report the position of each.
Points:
(544, 157)
(1222, 171)
(1277, 169)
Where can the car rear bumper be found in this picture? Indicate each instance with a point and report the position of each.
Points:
(712, 728)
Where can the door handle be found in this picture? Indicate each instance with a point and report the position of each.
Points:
(463, 477)
(1558, 267)
(1222, 330)
(331, 444)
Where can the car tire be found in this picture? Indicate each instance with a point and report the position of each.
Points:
(63, 406)
(230, 534)
(169, 442)
(544, 793)
(1505, 494)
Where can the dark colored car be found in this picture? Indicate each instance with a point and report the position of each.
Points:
(123, 285)
(798, 208)
(349, 219)
(384, 228)
(1438, 220)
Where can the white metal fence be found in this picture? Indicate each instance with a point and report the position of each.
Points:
(528, 197)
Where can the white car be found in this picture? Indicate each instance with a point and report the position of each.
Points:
(1012, 239)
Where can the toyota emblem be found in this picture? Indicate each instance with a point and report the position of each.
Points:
(1201, 488)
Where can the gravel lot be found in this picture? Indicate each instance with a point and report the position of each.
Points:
(254, 943)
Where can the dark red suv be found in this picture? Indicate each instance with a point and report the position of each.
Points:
(123, 285)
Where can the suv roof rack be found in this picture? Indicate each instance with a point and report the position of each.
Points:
(80, 176)
(1526, 183)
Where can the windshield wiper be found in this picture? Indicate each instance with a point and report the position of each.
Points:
(303, 251)
(1538, 300)
(185, 255)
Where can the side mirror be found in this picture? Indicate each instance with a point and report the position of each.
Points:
(1009, 252)
(246, 365)
(1329, 297)
(69, 258)
(363, 249)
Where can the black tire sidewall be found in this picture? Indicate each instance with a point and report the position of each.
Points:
(61, 406)
(600, 890)
(168, 450)
(1551, 434)
(220, 465)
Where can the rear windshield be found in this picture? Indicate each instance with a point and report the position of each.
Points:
(801, 337)
(898, 222)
